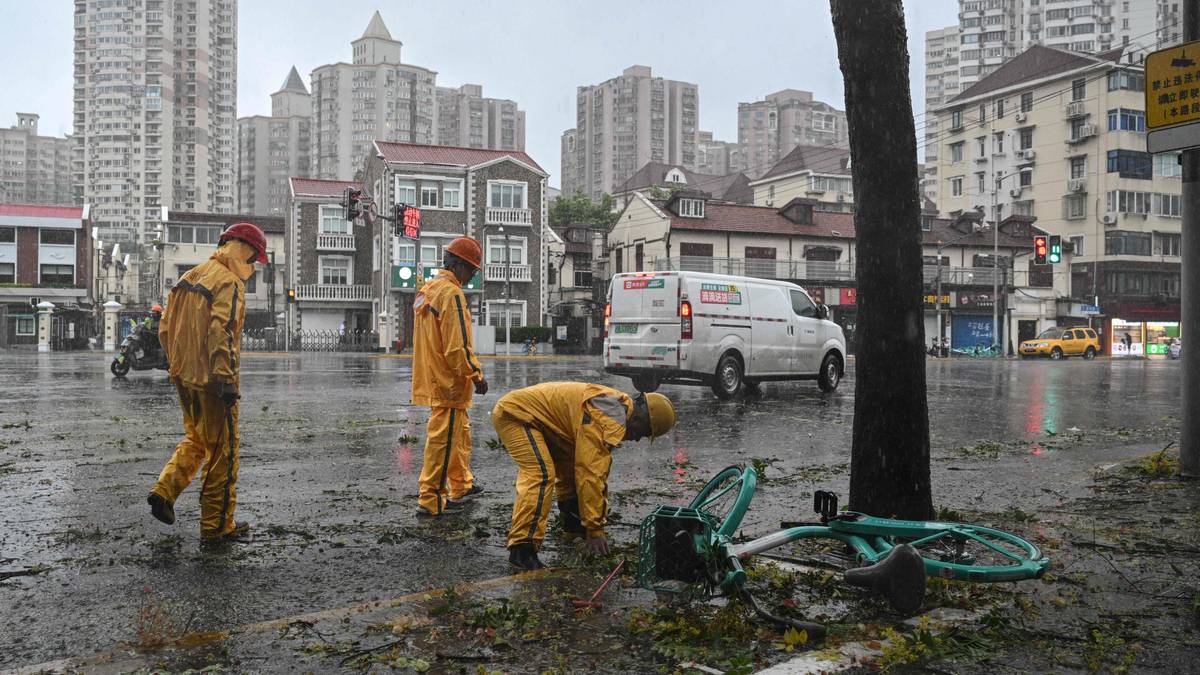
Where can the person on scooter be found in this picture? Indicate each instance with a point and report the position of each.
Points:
(564, 433)
(201, 335)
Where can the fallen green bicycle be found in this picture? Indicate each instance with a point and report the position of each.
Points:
(690, 550)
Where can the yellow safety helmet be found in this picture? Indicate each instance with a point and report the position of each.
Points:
(662, 414)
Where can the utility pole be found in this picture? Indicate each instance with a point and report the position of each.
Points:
(1189, 453)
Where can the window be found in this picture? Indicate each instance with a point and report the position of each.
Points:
(583, 273)
(57, 237)
(57, 274)
(956, 119)
(1168, 244)
(506, 196)
(252, 284)
(999, 143)
(406, 192)
(1079, 89)
(1076, 244)
(1075, 207)
(691, 208)
(333, 220)
(1025, 138)
(1124, 119)
(1026, 178)
(496, 313)
(802, 306)
(1040, 276)
(1167, 165)
(981, 183)
(1121, 79)
(1027, 102)
(1128, 201)
(956, 152)
(1078, 167)
(1166, 205)
(956, 187)
(429, 254)
(26, 325)
(1077, 128)
(1130, 164)
(772, 121)
(406, 253)
(8, 235)
(451, 195)
(429, 196)
(1126, 243)
(981, 144)
(516, 251)
(335, 270)
(8, 273)
(999, 108)
(982, 113)
(1023, 207)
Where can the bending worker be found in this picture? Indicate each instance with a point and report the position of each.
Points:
(564, 432)
(201, 333)
(445, 371)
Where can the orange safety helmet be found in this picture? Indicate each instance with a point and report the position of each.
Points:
(468, 249)
(251, 235)
(156, 308)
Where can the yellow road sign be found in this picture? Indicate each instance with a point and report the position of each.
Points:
(1173, 86)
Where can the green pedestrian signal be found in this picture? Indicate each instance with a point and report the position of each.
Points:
(1055, 255)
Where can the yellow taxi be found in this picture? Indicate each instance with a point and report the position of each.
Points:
(1059, 343)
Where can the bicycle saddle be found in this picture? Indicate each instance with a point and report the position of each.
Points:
(900, 577)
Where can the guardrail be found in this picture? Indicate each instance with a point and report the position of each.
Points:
(274, 340)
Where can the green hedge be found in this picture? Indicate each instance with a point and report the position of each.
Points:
(522, 333)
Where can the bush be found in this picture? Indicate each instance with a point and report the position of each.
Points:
(522, 333)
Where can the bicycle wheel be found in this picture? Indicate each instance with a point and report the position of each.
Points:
(727, 497)
(974, 553)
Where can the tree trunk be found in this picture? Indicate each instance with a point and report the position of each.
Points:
(889, 466)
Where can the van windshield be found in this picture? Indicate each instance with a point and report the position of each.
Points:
(1051, 334)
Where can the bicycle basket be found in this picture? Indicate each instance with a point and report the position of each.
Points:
(672, 551)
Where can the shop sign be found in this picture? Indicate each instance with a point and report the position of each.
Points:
(1089, 309)
(405, 276)
(975, 301)
(848, 296)
(931, 299)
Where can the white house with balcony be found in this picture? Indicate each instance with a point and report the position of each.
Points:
(495, 196)
(817, 173)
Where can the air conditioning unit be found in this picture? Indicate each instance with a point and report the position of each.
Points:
(1109, 219)
(1077, 184)
(1020, 117)
(1027, 155)
(1014, 192)
(1076, 109)
(1087, 131)
(841, 197)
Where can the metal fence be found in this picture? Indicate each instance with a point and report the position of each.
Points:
(274, 340)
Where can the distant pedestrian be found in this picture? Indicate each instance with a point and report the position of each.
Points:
(1127, 341)
(445, 370)
(201, 334)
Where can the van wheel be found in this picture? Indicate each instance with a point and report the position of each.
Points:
(1090, 353)
(831, 373)
(1056, 354)
(645, 383)
(728, 378)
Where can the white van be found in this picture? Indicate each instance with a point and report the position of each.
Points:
(718, 330)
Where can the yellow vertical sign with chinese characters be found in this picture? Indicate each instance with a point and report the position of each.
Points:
(1173, 86)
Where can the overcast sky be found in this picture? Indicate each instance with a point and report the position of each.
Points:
(535, 52)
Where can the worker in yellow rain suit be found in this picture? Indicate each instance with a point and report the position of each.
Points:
(564, 432)
(445, 370)
(201, 334)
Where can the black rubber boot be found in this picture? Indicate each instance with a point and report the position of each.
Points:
(524, 557)
(160, 508)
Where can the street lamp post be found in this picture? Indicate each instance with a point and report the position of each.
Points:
(999, 179)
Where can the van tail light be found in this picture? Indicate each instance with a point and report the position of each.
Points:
(607, 315)
(685, 320)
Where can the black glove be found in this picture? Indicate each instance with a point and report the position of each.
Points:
(568, 512)
(229, 394)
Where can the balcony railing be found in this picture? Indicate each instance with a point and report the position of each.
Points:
(763, 269)
(497, 216)
(335, 242)
(334, 292)
(964, 276)
(496, 271)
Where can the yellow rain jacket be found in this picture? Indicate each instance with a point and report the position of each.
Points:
(444, 362)
(581, 424)
(201, 328)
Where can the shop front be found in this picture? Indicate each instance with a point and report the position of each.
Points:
(972, 323)
(1141, 330)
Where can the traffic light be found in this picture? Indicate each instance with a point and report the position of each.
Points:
(352, 202)
(1055, 255)
(1040, 249)
(291, 295)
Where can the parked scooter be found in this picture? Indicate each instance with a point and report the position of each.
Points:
(939, 351)
(139, 350)
(1175, 351)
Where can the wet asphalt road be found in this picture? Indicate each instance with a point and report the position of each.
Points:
(328, 478)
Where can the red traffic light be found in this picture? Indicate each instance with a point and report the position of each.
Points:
(1040, 249)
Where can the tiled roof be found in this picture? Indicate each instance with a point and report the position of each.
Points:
(412, 153)
(733, 187)
(828, 159)
(1037, 62)
(294, 82)
(944, 230)
(763, 220)
(315, 187)
(41, 211)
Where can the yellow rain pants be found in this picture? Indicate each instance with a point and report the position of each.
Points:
(211, 441)
(446, 472)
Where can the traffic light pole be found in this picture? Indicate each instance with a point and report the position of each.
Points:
(1189, 452)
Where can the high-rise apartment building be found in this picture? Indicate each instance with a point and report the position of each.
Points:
(941, 85)
(717, 158)
(273, 148)
(155, 106)
(468, 120)
(623, 123)
(34, 169)
(379, 98)
(769, 129)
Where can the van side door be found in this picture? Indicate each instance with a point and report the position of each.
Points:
(805, 331)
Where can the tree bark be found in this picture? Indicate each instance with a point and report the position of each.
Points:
(889, 466)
